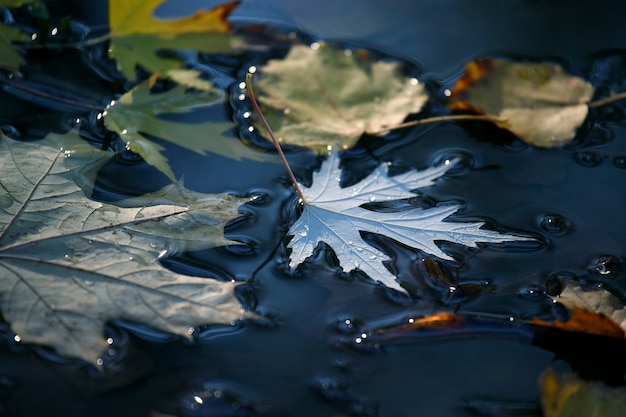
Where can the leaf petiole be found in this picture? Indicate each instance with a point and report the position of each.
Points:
(269, 130)
(436, 120)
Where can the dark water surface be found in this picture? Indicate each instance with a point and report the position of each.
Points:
(304, 361)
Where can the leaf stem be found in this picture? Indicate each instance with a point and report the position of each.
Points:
(435, 120)
(40, 93)
(607, 100)
(269, 130)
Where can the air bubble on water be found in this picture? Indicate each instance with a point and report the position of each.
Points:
(555, 224)
(33, 36)
(372, 198)
(99, 362)
(252, 69)
(358, 340)
(198, 399)
(447, 92)
(191, 330)
(411, 320)
(242, 85)
(315, 46)
(414, 81)
(588, 159)
(104, 113)
(246, 115)
(619, 162)
(606, 264)
(250, 129)
(131, 258)
(66, 256)
(111, 352)
(110, 340)
(242, 97)
(99, 116)
(88, 283)
(511, 318)
(54, 31)
(17, 338)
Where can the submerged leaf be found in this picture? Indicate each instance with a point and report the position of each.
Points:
(568, 396)
(69, 264)
(319, 97)
(10, 59)
(137, 36)
(332, 214)
(138, 111)
(540, 103)
(606, 313)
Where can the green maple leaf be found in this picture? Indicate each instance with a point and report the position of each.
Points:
(69, 264)
(10, 59)
(137, 36)
(138, 112)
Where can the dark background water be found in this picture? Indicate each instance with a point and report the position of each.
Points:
(300, 364)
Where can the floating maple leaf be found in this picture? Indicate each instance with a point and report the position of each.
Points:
(332, 214)
(540, 103)
(137, 36)
(318, 97)
(69, 264)
(138, 110)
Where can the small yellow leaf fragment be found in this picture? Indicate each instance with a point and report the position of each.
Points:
(568, 396)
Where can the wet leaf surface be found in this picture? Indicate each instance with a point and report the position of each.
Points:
(540, 103)
(138, 111)
(137, 37)
(333, 215)
(71, 264)
(322, 95)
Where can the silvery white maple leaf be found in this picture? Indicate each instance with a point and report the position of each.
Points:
(333, 215)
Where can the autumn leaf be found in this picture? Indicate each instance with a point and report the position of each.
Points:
(319, 97)
(333, 215)
(594, 311)
(138, 111)
(15, 3)
(69, 264)
(136, 35)
(10, 59)
(540, 103)
(568, 396)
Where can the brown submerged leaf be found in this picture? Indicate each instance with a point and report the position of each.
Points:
(595, 311)
(540, 103)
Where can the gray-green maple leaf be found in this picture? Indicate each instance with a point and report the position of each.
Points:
(333, 215)
(138, 112)
(69, 264)
(320, 97)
